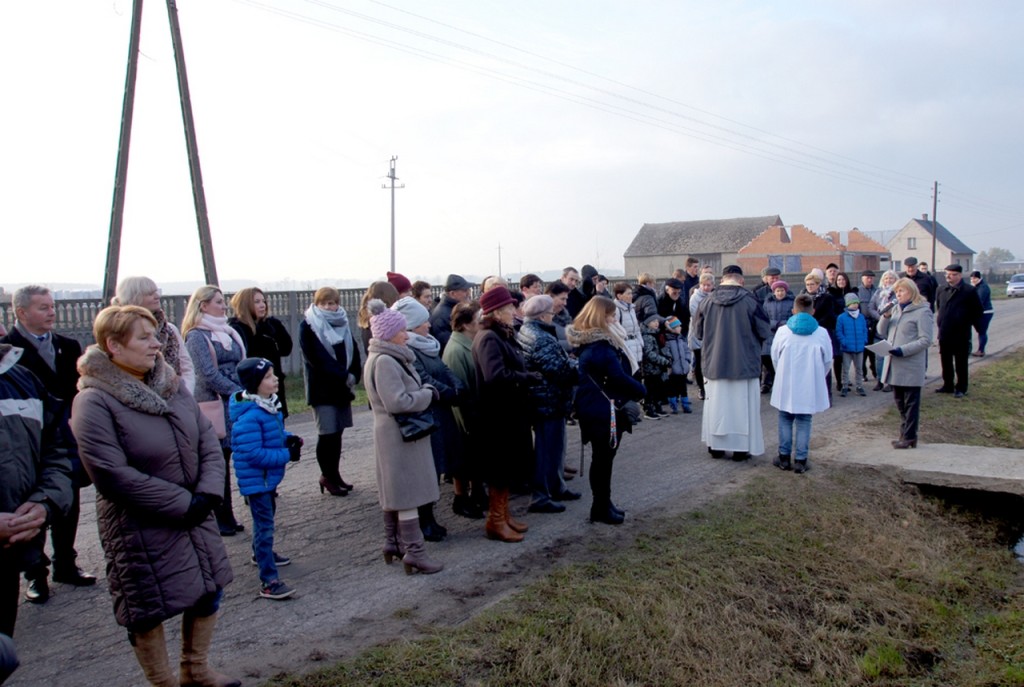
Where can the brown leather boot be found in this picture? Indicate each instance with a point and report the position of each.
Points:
(415, 558)
(497, 526)
(151, 652)
(196, 637)
(518, 525)
(392, 549)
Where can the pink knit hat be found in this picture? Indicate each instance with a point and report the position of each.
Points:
(384, 322)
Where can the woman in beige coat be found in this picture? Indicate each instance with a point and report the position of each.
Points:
(908, 327)
(158, 470)
(406, 478)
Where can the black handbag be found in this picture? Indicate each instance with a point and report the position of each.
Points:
(415, 426)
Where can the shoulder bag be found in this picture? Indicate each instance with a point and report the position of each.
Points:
(214, 410)
(413, 426)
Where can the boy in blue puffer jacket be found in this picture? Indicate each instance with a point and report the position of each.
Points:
(852, 333)
(261, 449)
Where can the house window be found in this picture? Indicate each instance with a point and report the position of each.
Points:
(792, 265)
(912, 243)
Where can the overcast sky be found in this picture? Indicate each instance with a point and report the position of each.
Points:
(554, 128)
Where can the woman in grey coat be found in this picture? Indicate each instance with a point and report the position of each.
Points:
(406, 478)
(159, 472)
(909, 329)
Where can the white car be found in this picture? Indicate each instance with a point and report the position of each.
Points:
(1015, 287)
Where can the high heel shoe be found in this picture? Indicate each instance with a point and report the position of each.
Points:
(332, 488)
(344, 485)
(904, 443)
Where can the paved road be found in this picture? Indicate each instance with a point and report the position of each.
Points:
(348, 599)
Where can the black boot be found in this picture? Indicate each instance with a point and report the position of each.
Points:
(432, 531)
(224, 512)
(464, 506)
(328, 457)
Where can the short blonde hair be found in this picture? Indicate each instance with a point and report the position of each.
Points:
(132, 290)
(116, 322)
(907, 283)
(594, 314)
(707, 277)
(645, 278)
(193, 315)
(812, 276)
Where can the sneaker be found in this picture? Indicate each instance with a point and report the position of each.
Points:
(844, 392)
(276, 590)
(652, 414)
(861, 392)
(279, 560)
(800, 467)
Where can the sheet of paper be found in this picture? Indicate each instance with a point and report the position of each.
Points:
(880, 348)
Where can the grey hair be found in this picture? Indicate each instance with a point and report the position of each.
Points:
(131, 290)
(22, 298)
(889, 273)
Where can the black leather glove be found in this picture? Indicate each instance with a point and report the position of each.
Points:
(294, 453)
(200, 508)
(294, 440)
(896, 352)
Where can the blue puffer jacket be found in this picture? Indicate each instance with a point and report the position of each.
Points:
(852, 332)
(543, 353)
(257, 443)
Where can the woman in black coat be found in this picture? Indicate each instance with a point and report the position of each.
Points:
(331, 364)
(605, 385)
(502, 382)
(264, 336)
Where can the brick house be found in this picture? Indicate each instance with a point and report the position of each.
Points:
(799, 250)
(915, 239)
(662, 248)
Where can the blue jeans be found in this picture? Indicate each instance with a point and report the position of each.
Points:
(262, 507)
(802, 422)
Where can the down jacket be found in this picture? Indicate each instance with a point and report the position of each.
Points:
(657, 358)
(552, 398)
(257, 445)
(778, 312)
(446, 443)
(148, 449)
(852, 332)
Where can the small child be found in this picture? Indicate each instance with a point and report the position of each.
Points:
(261, 448)
(802, 357)
(655, 367)
(682, 357)
(852, 333)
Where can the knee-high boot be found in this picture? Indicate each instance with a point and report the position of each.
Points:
(151, 652)
(328, 457)
(196, 637)
(432, 529)
(392, 550)
(497, 526)
(415, 558)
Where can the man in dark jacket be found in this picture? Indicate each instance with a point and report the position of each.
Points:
(926, 283)
(691, 278)
(35, 483)
(732, 325)
(53, 359)
(456, 290)
(959, 311)
(769, 275)
(583, 290)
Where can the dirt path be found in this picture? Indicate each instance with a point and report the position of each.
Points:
(348, 599)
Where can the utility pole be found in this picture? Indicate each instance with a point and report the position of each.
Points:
(935, 224)
(499, 260)
(393, 178)
(121, 172)
(198, 195)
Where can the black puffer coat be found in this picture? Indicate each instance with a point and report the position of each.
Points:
(446, 443)
(552, 398)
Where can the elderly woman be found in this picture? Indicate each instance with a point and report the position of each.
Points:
(446, 442)
(144, 292)
(406, 478)
(550, 403)
(705, 285)
(606, 385)
(215, 349)
(470, 500)
(503, 382)
(382, 291)
(909, 329)
(158, 471)
(331, 364)
(883, 298)
(264, 336)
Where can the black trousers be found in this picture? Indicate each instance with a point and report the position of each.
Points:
(908, 401)
(954, 354)
(10, 586)
(601, 471)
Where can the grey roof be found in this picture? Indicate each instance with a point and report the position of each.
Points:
(699, 237)
(945, 237)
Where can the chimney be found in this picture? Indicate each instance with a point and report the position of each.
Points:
(925, 217)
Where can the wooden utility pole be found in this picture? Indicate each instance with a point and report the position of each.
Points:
(198, 195)
(121, 173)
(393, 178)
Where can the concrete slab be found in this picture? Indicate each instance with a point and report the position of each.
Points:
(944, 465)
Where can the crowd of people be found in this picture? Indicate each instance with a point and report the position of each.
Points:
(155, 417)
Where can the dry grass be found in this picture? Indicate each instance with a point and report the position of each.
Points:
(845, 578)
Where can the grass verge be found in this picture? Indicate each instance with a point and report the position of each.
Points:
(845, 578)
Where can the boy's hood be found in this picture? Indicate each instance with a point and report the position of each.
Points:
(802, 324)
(240, 406)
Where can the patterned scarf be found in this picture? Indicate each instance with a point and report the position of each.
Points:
(331, 328)
(168, 341)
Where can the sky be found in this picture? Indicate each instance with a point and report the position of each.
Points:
(553, 129)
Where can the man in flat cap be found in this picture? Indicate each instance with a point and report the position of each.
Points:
(959, 310)
(456, 290)
(926, 283)
(731, 326)
(769, 275)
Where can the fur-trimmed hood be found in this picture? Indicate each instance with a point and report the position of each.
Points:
(99, 372)
(577, 338)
